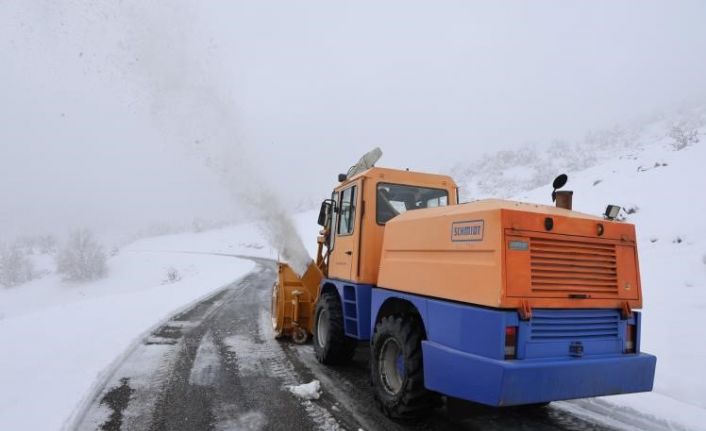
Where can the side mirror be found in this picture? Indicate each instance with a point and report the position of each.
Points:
(325, 212)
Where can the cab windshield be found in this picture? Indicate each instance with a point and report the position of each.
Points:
(395, 199)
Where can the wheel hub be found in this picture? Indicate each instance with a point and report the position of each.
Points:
(274, 310)
(322, 328)
(391, 366)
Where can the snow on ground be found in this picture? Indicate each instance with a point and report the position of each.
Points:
(58, 338)
(663, 190)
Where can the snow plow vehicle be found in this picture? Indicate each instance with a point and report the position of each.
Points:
(498, 302)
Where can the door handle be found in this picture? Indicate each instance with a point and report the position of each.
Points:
(349, 253)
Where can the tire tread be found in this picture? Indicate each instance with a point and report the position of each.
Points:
(414, 400)
(340, 348)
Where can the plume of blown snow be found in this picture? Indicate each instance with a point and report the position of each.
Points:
(188, 94)
(279, 230)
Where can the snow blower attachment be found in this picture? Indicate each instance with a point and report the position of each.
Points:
(293, 300)
(293, 296)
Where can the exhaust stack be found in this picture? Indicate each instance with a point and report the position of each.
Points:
(564, 199)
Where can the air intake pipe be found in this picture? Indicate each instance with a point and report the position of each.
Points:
(564, 199)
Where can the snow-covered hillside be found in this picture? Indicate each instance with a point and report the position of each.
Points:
(505, 174)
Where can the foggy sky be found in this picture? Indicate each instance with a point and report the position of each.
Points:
(117, 114)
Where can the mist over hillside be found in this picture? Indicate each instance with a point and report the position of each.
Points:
(508, 173)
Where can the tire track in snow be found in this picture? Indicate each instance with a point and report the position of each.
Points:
(146, 366)
(259, 355)
(233, 399)
(624, 418)
(339, 393)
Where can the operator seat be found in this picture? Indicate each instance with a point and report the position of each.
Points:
(385, 210)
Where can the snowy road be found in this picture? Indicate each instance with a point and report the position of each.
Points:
(216, 366)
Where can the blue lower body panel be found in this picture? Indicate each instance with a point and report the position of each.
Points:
(505, 383)
(560, 353)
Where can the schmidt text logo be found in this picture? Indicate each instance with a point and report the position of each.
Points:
(467, 230)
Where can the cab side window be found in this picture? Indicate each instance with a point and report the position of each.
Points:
(346, 219)
(334, 221)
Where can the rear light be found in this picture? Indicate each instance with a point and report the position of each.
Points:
(511, 342)
(630, 339)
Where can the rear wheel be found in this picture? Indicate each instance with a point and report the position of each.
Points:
(331, 345)
(397, 372)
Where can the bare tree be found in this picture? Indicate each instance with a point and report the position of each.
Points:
(81, 258)
(15, 267)
(683, 137)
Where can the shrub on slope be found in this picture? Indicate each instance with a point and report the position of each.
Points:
(81, 258)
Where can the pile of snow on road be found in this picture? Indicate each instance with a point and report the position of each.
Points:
(307, 391)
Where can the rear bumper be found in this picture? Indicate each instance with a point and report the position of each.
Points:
(505, 383)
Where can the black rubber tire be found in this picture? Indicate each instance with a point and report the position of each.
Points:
(413, 399)
(337, 348)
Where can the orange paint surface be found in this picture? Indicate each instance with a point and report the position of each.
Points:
(440, 253)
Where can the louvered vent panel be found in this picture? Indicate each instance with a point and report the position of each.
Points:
(556, 325)
(572, 266)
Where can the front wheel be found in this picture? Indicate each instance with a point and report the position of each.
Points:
(331, 345)
(396, 368)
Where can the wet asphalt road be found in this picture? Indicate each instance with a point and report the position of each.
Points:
(216, 366)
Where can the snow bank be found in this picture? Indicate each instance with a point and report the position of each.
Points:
(307, 391)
